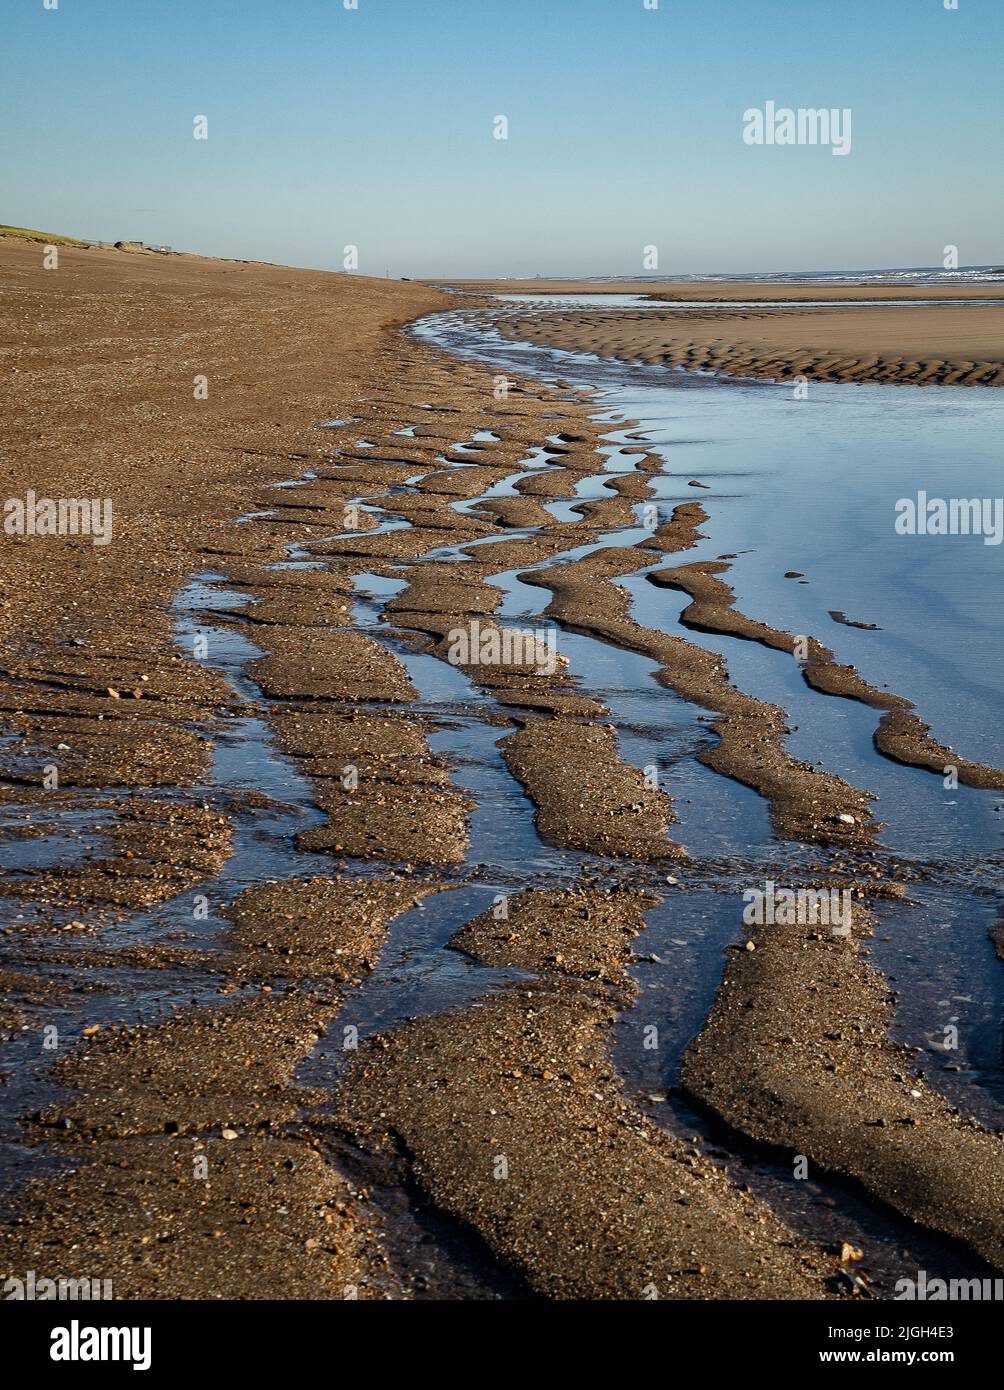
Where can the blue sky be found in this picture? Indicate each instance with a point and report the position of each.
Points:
(373, 127)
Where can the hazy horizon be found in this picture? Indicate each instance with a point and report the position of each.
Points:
(448, 276)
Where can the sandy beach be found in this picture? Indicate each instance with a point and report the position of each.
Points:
(246, 827)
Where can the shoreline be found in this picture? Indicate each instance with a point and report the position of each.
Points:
(933, 346)
(940, 342)
(768, 292)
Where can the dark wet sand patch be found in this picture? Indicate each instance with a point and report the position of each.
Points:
(163, 847)
(320, 928)
(586, 796)
(514, 1120)
(796, 1053)
(385, 794)
(304, 663)
(201, 1218)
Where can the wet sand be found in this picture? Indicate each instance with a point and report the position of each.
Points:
(103, 404)
(900, 734)
(796, 1052)
(937, 343)
(498, 1107)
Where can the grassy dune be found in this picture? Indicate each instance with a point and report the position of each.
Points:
(50, 238)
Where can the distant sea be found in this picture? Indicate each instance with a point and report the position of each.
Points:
(915, 275)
